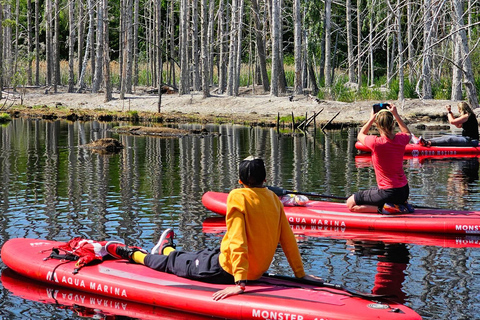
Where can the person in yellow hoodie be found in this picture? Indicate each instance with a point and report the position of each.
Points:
(256, 224)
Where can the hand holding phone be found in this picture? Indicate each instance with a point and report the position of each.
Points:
(379, 106)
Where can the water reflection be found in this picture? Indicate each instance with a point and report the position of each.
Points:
(392, 262)
(50, 188)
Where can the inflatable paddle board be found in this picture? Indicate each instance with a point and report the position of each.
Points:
(86, 304)
(326, 214)
(267, 298)
(418, 150)
(216, 225)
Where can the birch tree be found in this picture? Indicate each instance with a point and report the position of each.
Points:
(262, 61)
(467, 64)
(204, 49)
(106, 53)
(98, 72)
(350, 55)
(427, 51)
(298, 85)
(274, 88)
(359, 44)
(71, 46)
(37, 42)
(328, 39)
(184, 86)
(401, 86)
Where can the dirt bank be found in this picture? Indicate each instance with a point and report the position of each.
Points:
(247, 108)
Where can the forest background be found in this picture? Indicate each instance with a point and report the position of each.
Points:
(337, 50)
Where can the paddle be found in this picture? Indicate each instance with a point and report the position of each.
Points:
(353, 292)
(280, 192)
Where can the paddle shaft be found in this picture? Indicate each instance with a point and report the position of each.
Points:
(280, 192)
(329, 285)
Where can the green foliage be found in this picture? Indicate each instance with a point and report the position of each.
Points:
(289, 59)
(5, 117)
(341, 92)
(290, 77)
(442, 89)
(288, 119)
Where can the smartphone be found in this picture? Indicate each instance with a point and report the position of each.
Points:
(379, 106)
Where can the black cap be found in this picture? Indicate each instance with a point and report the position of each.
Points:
(252, 172)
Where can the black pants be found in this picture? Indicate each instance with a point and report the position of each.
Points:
(202, 265)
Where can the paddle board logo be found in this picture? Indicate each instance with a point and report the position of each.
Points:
(266, 314)
(378, 306)
(468, 228)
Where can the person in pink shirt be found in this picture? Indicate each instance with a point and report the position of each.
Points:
(392, 191)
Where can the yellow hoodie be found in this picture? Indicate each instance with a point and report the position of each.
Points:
(256, 224)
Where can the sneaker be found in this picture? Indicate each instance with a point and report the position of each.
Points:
(119, 250)
(389, 208)
(409, 207)
(166, 240)
(424, 142)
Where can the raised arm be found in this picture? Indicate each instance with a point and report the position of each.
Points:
(366, 127)
(403, 127)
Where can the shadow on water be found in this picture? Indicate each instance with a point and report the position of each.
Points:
(50, 188)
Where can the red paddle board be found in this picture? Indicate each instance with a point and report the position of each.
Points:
(326, 214)
(268, 298)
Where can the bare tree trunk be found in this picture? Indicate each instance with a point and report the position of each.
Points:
(71, 46)
(427, 51)
(205, 51)
(210, 40)
(159, 57)
(298, 88)
(80, 28)
(81, 79)
(98, 72)
(359, 44)
(106, 53)
(457, 72)
(135, 41)
(259, 39)
(37, 43)
(238, 52)
(222, 39)
(401, 83)
(351, 59)
(48, 40)
(411, 75)
(129, 47)
(92, 40)
(29, 42)
(328, 37)
(370, 43)
(17, 26)
(184, 86)
(232, 49)
(56, 47)
(274, 90)
(172, 43)
(122, 48)
(195, 48)
(467, 64)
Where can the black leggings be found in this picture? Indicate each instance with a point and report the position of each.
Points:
(202, 265)
(378, 197)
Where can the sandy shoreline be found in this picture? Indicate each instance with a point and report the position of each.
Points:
(243, 107)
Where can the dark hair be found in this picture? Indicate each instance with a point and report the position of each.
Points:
(252, 172)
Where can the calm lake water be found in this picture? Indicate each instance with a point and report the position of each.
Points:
(52, 189)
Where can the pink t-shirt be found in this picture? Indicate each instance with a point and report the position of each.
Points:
(387, 158)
